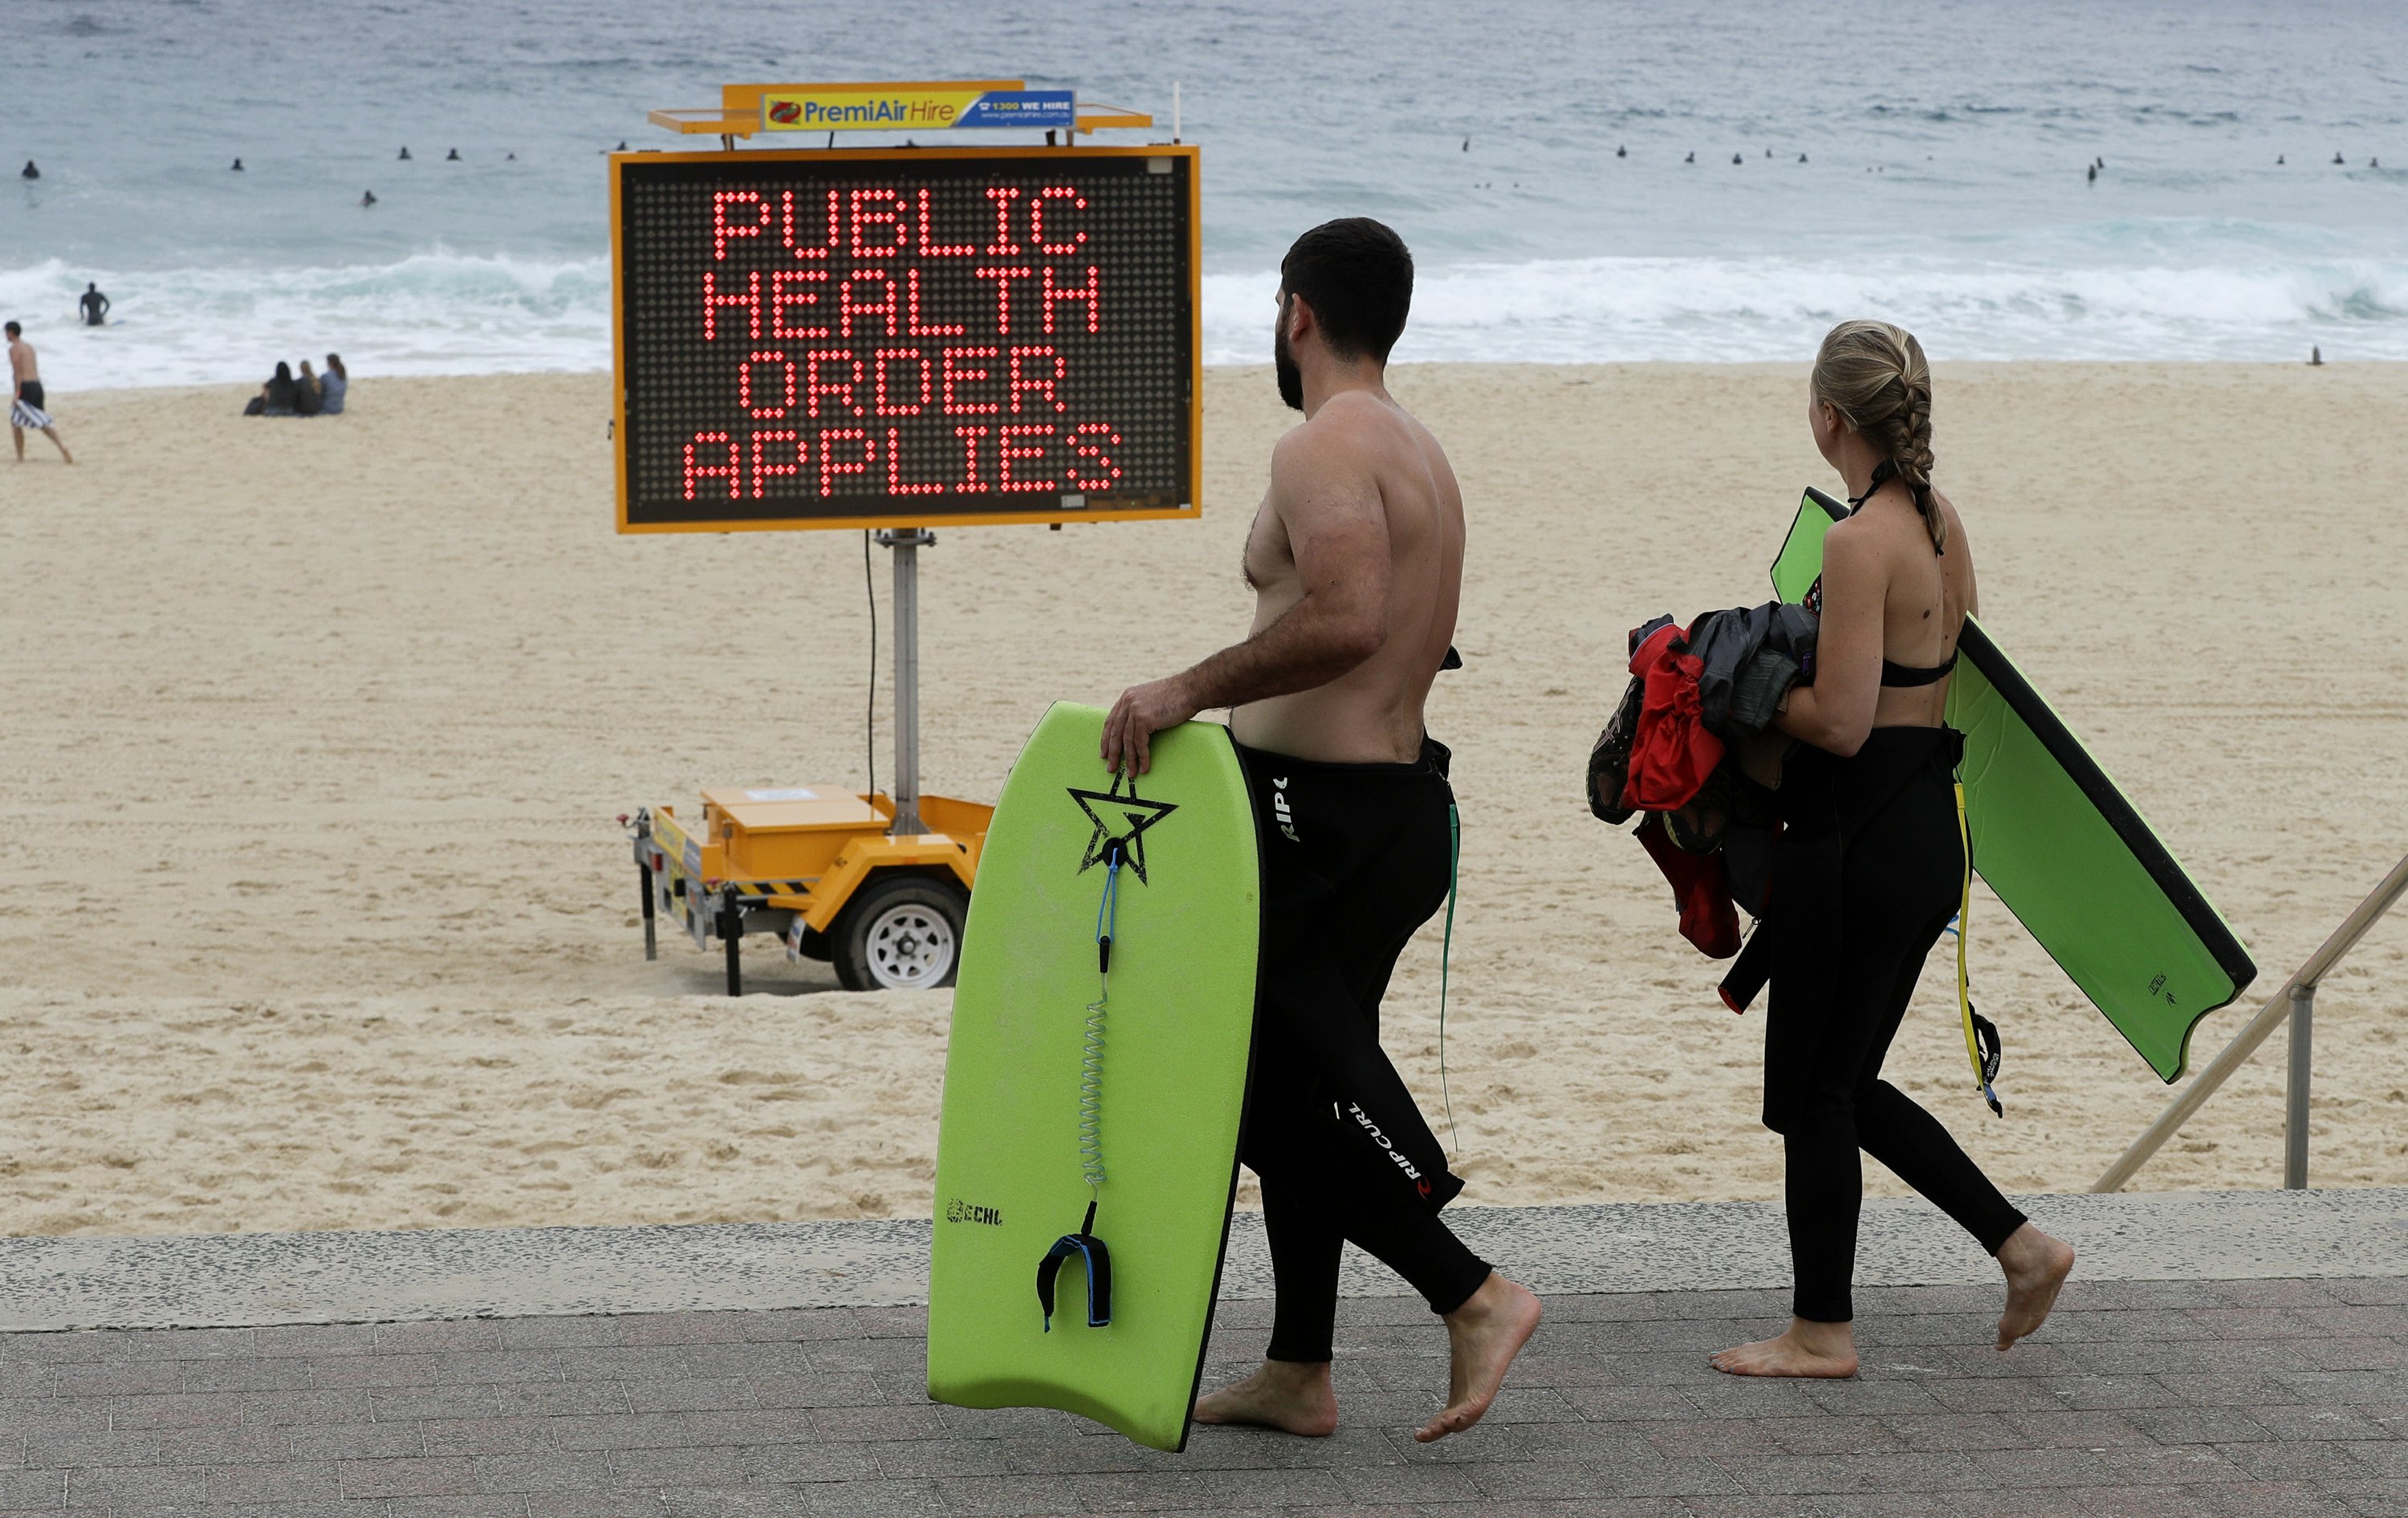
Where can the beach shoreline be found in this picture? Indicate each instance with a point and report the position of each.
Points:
(314, 910)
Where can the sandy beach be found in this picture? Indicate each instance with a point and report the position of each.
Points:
(314, 911)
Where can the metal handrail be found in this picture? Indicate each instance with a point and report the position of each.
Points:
(2295, 1001)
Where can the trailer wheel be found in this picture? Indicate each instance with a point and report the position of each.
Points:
(901, 934)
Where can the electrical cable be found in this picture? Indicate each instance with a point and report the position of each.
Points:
(869, 715)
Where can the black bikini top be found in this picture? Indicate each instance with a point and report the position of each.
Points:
(1899, 674)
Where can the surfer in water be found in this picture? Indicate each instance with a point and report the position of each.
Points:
(1872, 857)
(1355, 558)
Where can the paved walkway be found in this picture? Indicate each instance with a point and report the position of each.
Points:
(2259, 1399)
(2240, 1391)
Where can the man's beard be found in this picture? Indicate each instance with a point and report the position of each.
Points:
(1291, 379)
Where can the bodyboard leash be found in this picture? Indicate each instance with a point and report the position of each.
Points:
(1981, 1034)
(1083, 1245)
(1446, 960)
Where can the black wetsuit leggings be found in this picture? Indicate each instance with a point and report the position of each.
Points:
(1899, 884)
(1355, 857)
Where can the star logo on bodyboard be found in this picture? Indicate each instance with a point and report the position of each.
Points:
(1121, 816)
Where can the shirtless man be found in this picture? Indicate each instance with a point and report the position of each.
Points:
(25, 409)
(1356, 562)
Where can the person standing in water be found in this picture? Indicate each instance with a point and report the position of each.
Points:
(1870, 865)
(25, 407)
(1355, 558)
(94, 305)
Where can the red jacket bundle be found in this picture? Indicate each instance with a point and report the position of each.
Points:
(1671, 753)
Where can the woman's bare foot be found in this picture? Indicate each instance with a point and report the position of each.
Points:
(1482, 1337)
(1290, 1395)
(1808, 1349)
(2036, 1267)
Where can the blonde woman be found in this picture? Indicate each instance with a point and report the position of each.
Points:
(1868, 871)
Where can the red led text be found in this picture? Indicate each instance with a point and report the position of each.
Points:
(906, 340)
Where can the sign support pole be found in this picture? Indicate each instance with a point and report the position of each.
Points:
(906, 543)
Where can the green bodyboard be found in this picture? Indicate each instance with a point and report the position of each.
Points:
(2062, 847)
(1177, 1035)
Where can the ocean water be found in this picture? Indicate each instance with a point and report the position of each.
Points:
(1919, 160)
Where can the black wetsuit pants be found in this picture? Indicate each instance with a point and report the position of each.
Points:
(1899, 883)
(1355, 857)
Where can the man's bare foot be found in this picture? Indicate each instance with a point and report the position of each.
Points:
(2036, 1267)
(1482, 1335)
(1287, 1394)
(1808, 1349)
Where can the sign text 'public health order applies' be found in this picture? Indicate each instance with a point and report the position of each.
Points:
(905, 337)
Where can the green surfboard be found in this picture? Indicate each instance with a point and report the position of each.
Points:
(1164, 1096)
(2064, 850)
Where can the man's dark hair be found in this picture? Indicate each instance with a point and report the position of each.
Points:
(1358, 277)
(13, 330)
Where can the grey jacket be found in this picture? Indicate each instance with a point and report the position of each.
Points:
(1751, 656)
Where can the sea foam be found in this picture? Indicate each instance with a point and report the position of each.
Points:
(1777, 308)
(440, 312)
(435, 312)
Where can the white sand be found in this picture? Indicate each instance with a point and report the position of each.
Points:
(313, 912)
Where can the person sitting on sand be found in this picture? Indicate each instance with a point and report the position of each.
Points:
(1357, 560)
(274, 398)
(331, 386)
(305, 391)
(1871, 864)
(26, 397)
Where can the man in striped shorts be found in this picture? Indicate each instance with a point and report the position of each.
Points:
(25, 409)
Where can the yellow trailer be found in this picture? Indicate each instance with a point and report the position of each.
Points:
(823, 868)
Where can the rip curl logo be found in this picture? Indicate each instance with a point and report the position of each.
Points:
(957, 1210)
(1412, 1173)
(1134, 815)
(1280, 807)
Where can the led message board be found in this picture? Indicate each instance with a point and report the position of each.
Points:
(905, 337)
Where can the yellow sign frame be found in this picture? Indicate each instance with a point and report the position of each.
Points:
(1194, 507)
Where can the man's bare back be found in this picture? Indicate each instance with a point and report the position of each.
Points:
(1357, 560)
(23, 366)
(1361, 459)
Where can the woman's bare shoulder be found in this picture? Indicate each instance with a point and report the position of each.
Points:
(1949, 514)
(1852, 538)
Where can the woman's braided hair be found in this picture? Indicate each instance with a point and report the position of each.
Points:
(1874, 376)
